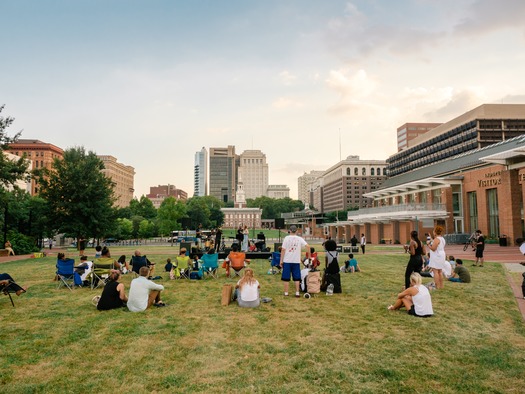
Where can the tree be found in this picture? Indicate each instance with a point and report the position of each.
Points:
(272, 208)
(80, 197)
(216, 215)
(143, 207)
(198, 212)
(10, 171)
(169, 214)
(124, 228)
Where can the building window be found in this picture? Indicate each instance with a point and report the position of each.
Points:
(356, 171)
(472, 210)
(378, 171)
(372, 173)
(348, 171)
(436, 196)
(492, 201)
(363, 171)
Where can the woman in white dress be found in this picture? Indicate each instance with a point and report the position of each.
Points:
(437, 256)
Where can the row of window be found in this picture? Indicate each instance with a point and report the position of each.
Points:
(373, 171)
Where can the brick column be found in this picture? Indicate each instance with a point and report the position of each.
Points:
(510, 199)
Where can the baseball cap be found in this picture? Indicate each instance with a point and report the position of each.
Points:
(293, 228)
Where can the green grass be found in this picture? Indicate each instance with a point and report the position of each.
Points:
(56, 341)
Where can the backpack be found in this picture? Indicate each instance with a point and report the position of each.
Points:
(333, 267)
(313, 282)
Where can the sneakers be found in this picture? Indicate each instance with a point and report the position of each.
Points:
(297, 295)
(285, 294)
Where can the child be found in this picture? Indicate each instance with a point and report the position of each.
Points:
(351, 264)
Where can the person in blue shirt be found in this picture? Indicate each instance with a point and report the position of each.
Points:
(351, 264)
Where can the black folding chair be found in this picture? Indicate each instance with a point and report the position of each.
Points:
(11, 287)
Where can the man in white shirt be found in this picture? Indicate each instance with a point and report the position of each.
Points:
(291, 259)
(143, 293)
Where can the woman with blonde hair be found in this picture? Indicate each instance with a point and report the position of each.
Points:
(416, 299)
(247, 290)
(437, 256)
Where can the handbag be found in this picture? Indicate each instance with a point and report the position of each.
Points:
(226, 294)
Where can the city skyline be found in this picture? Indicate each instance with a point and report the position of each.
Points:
(306, 82)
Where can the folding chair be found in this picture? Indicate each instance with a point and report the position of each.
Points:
(237, 262)
(66, 273)
(137, 262)
(184, 264)
(210, 265)
(100, 271)
(11, 287)
(275, 263)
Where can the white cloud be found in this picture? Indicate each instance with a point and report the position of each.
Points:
(353, 88)
(286, 102)
(287, 78)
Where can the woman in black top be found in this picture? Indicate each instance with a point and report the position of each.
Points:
(113, 295)
(415, 263)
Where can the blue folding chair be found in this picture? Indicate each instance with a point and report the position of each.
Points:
(137, 262)
(66, 274)
(210, 264)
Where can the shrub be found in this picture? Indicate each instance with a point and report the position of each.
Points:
(22, 244)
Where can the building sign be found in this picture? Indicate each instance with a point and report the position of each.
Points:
(491, 179)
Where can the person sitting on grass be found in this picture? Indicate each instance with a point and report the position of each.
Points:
(236, 260)
(247, 290)
(461, 273)
(416, 299)
(98, 251)
(6, 279)
(143, 293)
(351, 264)
(113, 296)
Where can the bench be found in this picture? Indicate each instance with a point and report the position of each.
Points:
(386, 240)
(4, 252)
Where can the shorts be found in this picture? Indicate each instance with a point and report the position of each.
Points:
(291, 268)
(412, 312)
(479, 253)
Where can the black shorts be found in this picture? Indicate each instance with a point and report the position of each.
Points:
(479, 253)
(412, 312)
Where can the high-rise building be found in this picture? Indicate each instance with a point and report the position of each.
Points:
(200, 173)
(22, 184)
(157, 194)
(410, 131)
(223, 174)
(41, 154)
(122, 176)
(253, 170)
(304, 185)
(278, 191)
(345, 183)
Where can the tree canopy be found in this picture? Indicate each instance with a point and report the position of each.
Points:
(10, 171)
(80, 197)
(169, 214)
(272, 208)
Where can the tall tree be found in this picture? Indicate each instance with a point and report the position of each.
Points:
(79, 195)
(198, 212)
(169, 214)
(143, 207)
(10, 171)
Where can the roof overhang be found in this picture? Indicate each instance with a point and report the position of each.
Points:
(512, 158)
(415, 186)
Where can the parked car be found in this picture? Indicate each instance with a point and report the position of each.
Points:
(110, 241)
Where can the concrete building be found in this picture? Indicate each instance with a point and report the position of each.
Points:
(410, 131)
(240, 215)
(304, 185)
(41, 154)
(157, 194)
(474, 180)
(200, 173)
(346, 183)
(253, 170)
(278, 191)
(122, 176)
(223, 173)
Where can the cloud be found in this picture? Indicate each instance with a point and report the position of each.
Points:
(287, 78)
(285, 103)
(353, 89)
(460, 102)
(484, 16)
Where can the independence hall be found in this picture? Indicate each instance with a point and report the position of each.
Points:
(465, 174)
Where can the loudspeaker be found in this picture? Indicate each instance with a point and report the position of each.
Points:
(279, 223)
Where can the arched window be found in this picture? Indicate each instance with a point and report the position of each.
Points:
(363, 171)
(372, 171)
(348, 171)
(378, 171)
(356, 171)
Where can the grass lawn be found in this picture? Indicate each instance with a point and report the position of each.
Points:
(56, 341)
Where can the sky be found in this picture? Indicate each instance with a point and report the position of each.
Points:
(307, 82)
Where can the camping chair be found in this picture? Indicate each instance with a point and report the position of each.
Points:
(275, 263)
(100, 271)
(66, 273)
(210, 264)
(137, 262)
(237, 262)
(184, 265)
(11, 287)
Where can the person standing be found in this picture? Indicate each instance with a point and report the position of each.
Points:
(245, 236)
(218, 237)
(363, 243)
(415, 263)
(480, 247)
(437, 256)
(291, 259)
